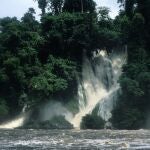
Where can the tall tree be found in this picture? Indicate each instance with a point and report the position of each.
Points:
(29, 19)
(56, 6)
(144, 8)
(42, 4)
(79, 6)
(128, 6)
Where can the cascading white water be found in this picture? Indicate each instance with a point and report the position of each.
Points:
(17, 122)
(99, 84)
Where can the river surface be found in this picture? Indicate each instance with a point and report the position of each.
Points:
(74, 140)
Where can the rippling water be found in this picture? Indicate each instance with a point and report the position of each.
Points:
(74, 140)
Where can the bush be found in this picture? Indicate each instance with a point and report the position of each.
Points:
(3, 108)
(127, 118)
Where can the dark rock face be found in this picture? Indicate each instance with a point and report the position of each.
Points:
(58, 122)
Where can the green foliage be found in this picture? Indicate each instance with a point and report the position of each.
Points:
(21, 70)
(92, 122)
(4, 110)
(133, 106)
(128, 118)
(56, 6)
(103, 13)
(131, 87)
(64, 35)
(42, 4)
(50, 80)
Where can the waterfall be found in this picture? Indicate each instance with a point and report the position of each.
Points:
(98, 85)
(17, 122)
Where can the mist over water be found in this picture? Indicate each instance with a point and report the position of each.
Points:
(99, 86)
(52, 109)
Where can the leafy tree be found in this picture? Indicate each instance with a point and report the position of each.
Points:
(128, 6)
(49, 81)
(42, 4)
(29, 20)
(56, 6)
(103, 13)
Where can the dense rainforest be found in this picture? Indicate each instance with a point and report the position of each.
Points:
(41, 60)
(132, 110)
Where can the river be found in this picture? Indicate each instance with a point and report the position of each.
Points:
(74, 139)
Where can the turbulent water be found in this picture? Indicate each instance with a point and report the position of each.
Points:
(14, 123)
(99, 86)
(74, 140)
(17, 122)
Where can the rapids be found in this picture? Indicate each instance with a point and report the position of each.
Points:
(74, 140)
